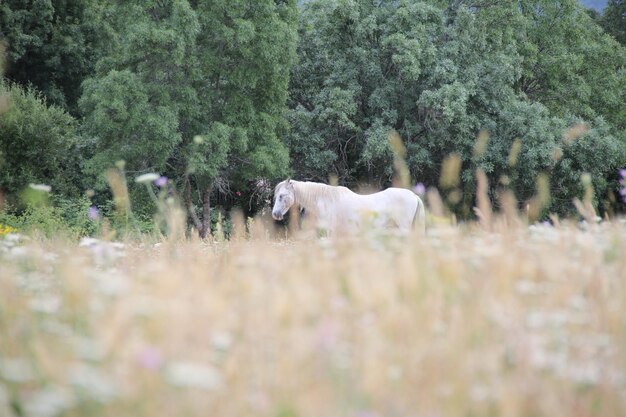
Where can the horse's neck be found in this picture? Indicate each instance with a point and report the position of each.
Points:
(311, 196)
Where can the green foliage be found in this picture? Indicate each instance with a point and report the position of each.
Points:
(597, 153)
(245, 53)
(46, 220)
(51, 45)
(75, 215)
(37, 144)
(195, 90)
(567, 60)
(129, 125)
(613, 20)
(66, 218)
(133, 104)
(216, 93)
(439, 73)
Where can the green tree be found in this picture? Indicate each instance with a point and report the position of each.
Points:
(195, 90)
(439, 73)
(613, 20)
(37, 144)
(51, 45)
(569, 64)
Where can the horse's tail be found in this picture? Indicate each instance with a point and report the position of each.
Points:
(420, 215)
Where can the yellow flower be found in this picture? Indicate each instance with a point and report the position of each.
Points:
(6, 229)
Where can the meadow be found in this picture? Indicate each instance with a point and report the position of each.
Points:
(506, 320)
(132, 131)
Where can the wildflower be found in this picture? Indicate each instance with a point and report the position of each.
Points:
(146, 178)
(6, 230)
(238, 193)
(366, 413)
(93, 383)
(161, 182)
(328, 335)
(419, 189)
(103, 252)
(222, 341)
(622, 173)
(87, 348)
(41, 187)
(193, 375)
(4, 397)
(45, 304)
(94, 213)
(150, 358)
(49, 402)
(16, 370)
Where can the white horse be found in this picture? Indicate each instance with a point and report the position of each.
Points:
(339, 209)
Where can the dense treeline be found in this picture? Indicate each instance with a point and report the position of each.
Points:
(218, 94)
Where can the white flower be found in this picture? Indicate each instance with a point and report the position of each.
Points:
(41, 187)
(18, 252)
(4, 402)
(585, 373)
(13, 237)
(93, 383)
(16, 370)
(193, 375)
(88, 349)
(4, 396)
(222, 341)
(49, 402)
(45, 304)
(147, 178)
(57, 328)
(110, 282)
(88, 242)
(103, 252)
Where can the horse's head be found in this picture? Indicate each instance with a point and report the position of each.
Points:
(284, 198)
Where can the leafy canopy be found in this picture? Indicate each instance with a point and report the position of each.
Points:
(439, 73)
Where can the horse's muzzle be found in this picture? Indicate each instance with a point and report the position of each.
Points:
(277, 215)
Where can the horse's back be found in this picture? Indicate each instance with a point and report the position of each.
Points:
(400, 196)
(396, 204)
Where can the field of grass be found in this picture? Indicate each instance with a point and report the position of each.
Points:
(516, 321)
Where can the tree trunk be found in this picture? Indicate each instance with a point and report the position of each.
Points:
(189, 204)
(205, 230)
(202, 226)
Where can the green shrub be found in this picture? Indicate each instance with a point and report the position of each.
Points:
(37, 144)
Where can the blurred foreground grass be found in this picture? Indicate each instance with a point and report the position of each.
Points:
(518, 322)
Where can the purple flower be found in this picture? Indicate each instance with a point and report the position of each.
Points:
(366, 413)
(150, 358)
(419, 189)
(161, 182)
(328, 335)
(622, 172)
(93, 213)
(622, 192)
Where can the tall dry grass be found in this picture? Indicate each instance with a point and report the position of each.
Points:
(467, 321)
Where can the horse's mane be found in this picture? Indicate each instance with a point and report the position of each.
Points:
(309, 192)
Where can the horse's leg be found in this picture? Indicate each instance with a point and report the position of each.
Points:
(404, 224)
